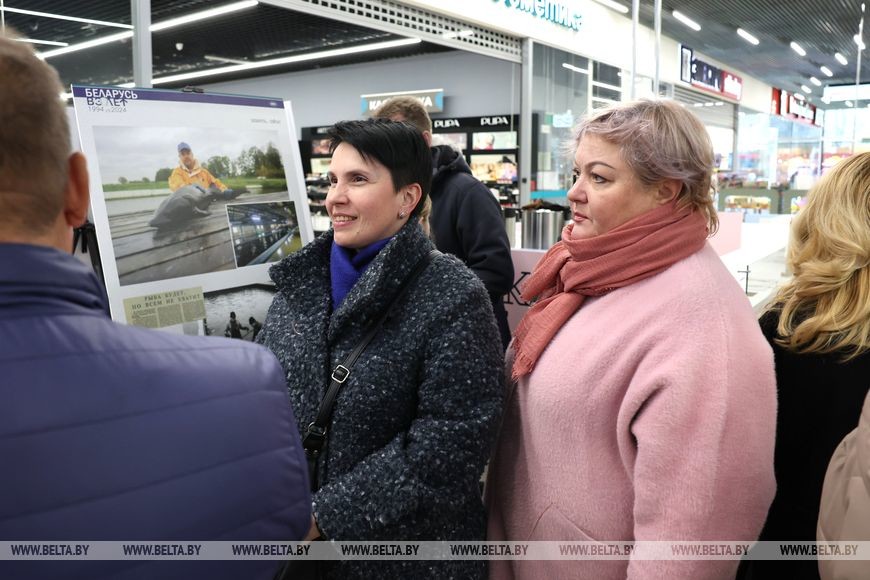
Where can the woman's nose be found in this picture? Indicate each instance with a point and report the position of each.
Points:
(577, 191)
(335, 194)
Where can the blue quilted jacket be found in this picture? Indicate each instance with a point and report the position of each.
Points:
(110, 432)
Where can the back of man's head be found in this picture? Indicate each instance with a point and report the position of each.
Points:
(406, 109)
(34, 141)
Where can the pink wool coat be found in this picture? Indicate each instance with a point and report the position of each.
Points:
(650, 416)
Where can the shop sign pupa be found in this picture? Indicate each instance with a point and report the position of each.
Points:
(432, 100)
(555, 11)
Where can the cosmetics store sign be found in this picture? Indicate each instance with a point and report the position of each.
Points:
(431, 99)
(558, 12)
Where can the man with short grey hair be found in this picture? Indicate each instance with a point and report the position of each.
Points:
(110, 432)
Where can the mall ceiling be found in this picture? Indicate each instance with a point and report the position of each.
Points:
(821, 27)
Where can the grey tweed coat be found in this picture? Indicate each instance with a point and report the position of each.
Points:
(413, 426)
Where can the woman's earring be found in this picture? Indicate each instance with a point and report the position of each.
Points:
(402, 215)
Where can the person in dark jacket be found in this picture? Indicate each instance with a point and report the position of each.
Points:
(412, 427)
(256, 327)
(110, 432)
(466, 218)
(819, 328)
(234, 327)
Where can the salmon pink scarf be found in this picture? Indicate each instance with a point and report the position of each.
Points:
(574, 269)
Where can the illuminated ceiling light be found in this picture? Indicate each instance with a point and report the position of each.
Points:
(49, 42)
(841, 59)
(224, 59)
(88, 44)
(849, 104)
(285, 60)
(826, 70)
(709, 104)
(64, 17)
(171, 23)
(747, 37)
(859, 42)
(798, 96)
(197, 16)
(686, 20)
(614, 6)
(575, 68)
(806, 89)
(797, 48)
(461, 33)
(826, 100)
(816, 81)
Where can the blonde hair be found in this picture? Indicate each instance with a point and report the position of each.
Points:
(659, 139)
(34, 139)
(409, 108)
(825, 308)
(424, 216)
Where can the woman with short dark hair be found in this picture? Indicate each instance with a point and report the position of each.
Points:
(412, 426)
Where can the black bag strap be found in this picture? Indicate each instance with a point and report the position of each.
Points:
(314, 438)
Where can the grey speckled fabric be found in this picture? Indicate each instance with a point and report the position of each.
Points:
(413, 426)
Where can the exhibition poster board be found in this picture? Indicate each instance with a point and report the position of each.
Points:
(192, 194)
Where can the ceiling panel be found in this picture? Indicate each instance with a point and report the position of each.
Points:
(822, 27)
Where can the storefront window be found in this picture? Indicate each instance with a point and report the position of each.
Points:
(565, 88)
(775, 154)
(847, 131)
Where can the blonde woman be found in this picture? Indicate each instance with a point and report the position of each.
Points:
(644, 401)
(819, 327)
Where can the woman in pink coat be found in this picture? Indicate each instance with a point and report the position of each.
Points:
(643, 405)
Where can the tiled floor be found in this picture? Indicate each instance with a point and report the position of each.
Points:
(763, 247)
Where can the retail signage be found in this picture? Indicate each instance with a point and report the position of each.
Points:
(493, 123)
(555, 11)
(706, 76)
(732, 85)
(432, 100)
(791, 105)
(800, 108)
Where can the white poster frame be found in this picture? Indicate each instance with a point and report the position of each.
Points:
(149, 108)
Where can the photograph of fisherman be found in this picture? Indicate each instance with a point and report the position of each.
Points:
(193, 189)
(412, 425)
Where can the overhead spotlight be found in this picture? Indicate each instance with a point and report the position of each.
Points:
(826, 70)
(614, 6)
(576, 69)
(859, 41)
(686, 20)
(797, 48)
(747, 37)
(806, 89)
(798, 96)
(816, 81)
(849, 104)
(49, 42)
(841, 59)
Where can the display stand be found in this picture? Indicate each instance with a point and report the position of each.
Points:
(86, 236)
(170, 235)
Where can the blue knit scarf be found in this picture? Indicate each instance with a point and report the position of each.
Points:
(347, 265)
